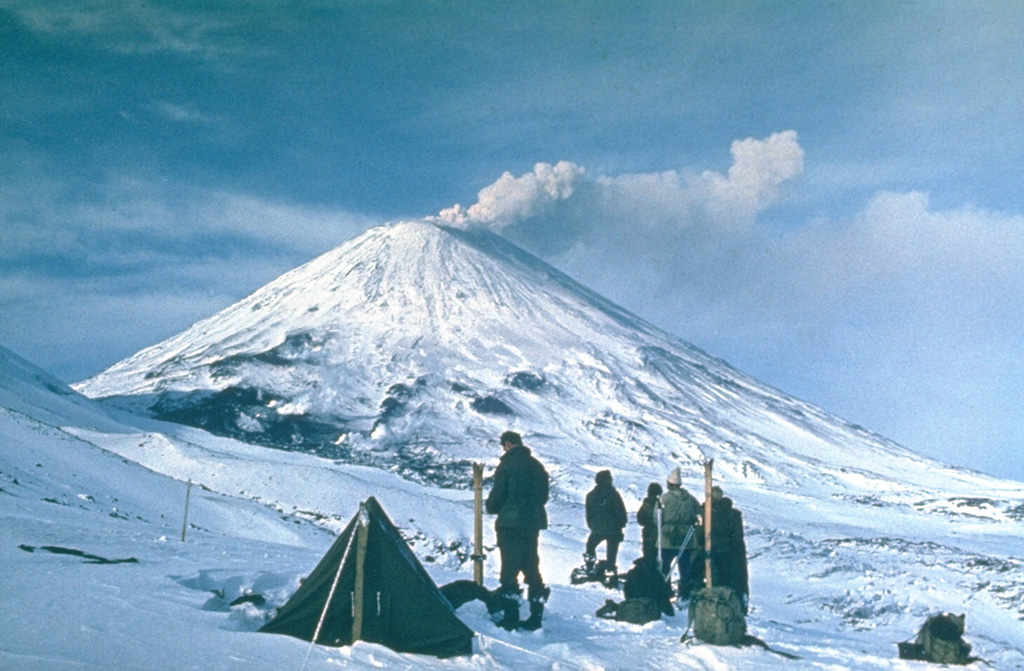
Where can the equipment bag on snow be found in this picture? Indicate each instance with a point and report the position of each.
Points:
(940, 641)
(717, 616)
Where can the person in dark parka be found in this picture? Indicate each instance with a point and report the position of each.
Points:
(606, 518)
(728, 549)
(647, 518)
(518, 497)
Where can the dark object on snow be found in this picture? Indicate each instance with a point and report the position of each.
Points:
(940, 641)
(502, 607)
(255, 599)
(90, 559)
(717, 616)
(645, 580)
(379, 592)
(461, 592)
(591, 571)
(639, 610)
(647, 594)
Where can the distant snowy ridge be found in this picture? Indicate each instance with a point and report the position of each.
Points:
(412, 346)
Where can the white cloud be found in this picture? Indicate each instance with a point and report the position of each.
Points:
(652, 203)
(758, 171)
(897, 240)
(512, 199)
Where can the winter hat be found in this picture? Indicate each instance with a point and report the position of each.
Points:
(654, 490)
(603, 476)
(675, 478)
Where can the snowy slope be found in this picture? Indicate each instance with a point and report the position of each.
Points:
(411, 347)
(835, 580)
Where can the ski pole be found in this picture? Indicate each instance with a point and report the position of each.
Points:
(682, 549)
(657, 516)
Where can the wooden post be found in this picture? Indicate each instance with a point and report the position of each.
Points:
(188, 496)
(362, 532)
(707, 522)
(478, 523)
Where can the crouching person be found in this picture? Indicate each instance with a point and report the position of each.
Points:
(647, 595)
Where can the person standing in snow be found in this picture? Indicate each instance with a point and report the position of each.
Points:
(728, 549)
(647, 518)
(680, 511)
(518, 497)
(606, 518)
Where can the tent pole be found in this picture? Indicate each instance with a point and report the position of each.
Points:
(362, 532)
(707, 522)
(478, 523)
(327, 604)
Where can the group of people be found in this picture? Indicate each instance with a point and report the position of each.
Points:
(672, 535)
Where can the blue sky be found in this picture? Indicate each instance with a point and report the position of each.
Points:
(825, 194)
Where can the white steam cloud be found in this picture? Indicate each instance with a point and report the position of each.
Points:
(512, 199)
(669, 199)
(759, 169)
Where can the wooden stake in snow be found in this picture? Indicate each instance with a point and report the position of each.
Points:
(478, 523)
(184, 524)
(707, 522)
(358, 596)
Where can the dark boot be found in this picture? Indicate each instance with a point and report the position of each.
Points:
(538, 598)
(505, 611)
(532, 623)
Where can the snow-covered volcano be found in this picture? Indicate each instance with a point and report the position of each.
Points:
(412, 346)
(408, 350)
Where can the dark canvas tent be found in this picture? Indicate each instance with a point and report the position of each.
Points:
(378, 591)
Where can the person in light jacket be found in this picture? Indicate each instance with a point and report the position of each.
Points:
(680, 513)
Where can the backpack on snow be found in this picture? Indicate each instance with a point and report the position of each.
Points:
(717, 616)
(940, 641)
